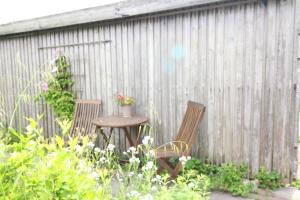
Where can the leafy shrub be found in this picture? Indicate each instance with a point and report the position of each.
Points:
(57, 89)
(230, 178)
(199, 183)
(34, 169)
(201, 167)
(268, 180)
(296, 184)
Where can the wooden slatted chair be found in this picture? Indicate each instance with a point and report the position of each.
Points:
(85, 112)
(182, 144)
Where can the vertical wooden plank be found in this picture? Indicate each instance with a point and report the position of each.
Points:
(179, 21)
(125, 67)
(238, 85)
(288, 88)
(228, 84)
(211, 82)
(203, 42)
(295, 168)
(143, 68)
(157, 80)
(91, 49)
(219, 95)
(266, 146)
(97, 64)
(164, 78)
(82, 61)
(175, 54)
(115, 80)
(248, 80)
(258, 78)
(119, 75)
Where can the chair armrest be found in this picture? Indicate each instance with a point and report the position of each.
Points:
(179, 146)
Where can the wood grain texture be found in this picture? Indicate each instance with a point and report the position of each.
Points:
(241, 61)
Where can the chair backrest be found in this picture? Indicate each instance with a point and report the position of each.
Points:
(189, 126)
(85, 112)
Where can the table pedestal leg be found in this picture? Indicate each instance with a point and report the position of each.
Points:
(105, 137)
(138, 135)
(128, 136)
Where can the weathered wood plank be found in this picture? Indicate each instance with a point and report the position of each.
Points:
(101, 13)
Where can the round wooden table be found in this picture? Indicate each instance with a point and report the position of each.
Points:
(124, 123)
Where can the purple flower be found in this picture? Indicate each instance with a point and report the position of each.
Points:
(44, 87)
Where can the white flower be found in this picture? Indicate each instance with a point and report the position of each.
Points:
(81, 164)
(182, 159)
(147, 140)
(191, 185)
(131, 174)
(140, 175)
(89, 169)
(53, 154)
(119, 178)
(151, 154)
(102, 159)
(78, 148)
(125, 153)
(97, 150)
(149, 165)
(133, 194)
(147, 197)
(132, 149)
(54, 70)
(102, 151)
(91, 145)
(111, 147)
(95, 175)
(133, 160)
(156, 179)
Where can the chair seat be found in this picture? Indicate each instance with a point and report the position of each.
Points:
(167, 154)
(172, 149)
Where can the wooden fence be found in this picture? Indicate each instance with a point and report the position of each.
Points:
(237, 59)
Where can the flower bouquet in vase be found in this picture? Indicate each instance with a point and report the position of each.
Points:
(125, 104)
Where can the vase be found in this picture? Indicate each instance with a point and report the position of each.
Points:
(126, 111)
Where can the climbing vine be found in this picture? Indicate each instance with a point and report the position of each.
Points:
(56, 90)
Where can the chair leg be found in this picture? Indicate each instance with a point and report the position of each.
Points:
(164, 164)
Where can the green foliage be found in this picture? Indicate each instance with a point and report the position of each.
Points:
(268, 180)
(198, 183)
(35, 169)
(296, 184)
(65, 126)
(201, 167)
(179, 193)
(57, 89)
(230, 178)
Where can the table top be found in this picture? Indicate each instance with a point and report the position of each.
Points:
(119, 122)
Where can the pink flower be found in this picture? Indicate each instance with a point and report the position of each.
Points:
(121, 97)
(44, 87)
